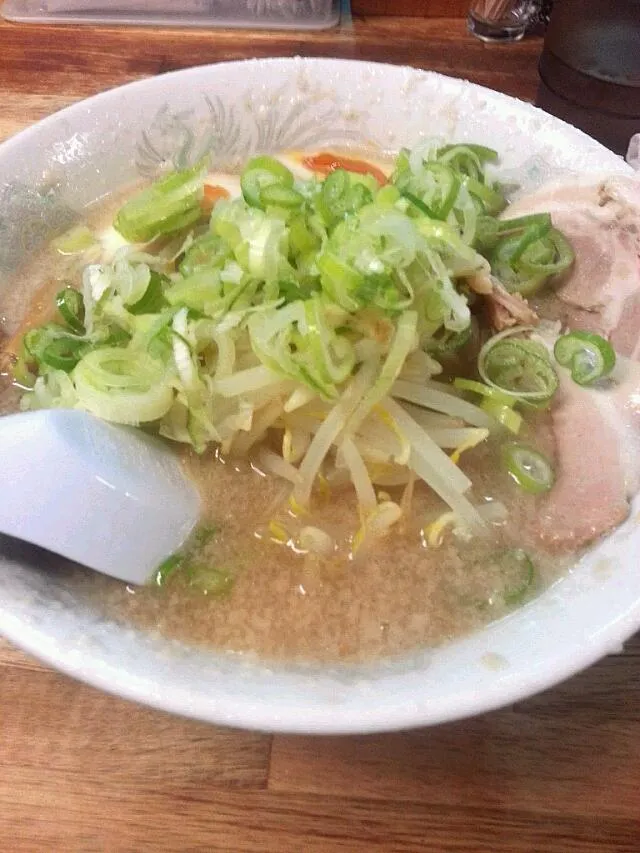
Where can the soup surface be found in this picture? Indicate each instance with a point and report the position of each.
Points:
(251, 588)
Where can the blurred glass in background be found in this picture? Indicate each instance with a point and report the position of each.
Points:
(501, 20)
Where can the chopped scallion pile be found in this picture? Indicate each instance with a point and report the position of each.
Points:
(589, 356)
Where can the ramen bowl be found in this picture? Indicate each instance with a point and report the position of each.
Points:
(50, 172)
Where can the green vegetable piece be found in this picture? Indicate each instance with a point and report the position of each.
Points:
(302, 240)
(518, 367)
(277, 195)
(529, 468)
(53, 346)
(442, 188)
(552, 257)
(70, 304)
(22, 375)
(589, 356)
(468, 161)
(484, 154)
(75, 241)
(514, 226)
(419, 204)
(166, 206)
(63, 353)
(152, 300)
(492, 200)
(198, 291)
(528, 253)
(487, 234)
(503, 413)
(260, 173)
(340, 280)
(217, 583)
(201, 536)
(342, 195)
(484, 391)
(35, 340)
(167, 568)
(116, 337)
(518, 575)
(387, 195)
(447, 343)
(209, 250)
(125, 386)
(276, 169)
(495, 403)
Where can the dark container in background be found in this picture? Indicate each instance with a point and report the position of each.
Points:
(590, 68)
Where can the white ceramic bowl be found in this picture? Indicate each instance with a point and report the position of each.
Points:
(74, 157)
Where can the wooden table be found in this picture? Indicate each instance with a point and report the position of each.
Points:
(82, 772)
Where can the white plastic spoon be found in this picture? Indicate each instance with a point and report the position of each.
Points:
(109, 497)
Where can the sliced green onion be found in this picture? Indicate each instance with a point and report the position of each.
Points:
(512, 226)
(552, 257)
(495, 403)
(75, 241)
(117, 336)
(492, 200)
(514, 248)
(528, 253)
(122, 385)
(261, 173)
(278, 171)
(70, 304)
(517, 367)
(209, 251)
(22, 375)
(419, 204)
(52, 345)
(504, 414)
(340, 280)
(63, 353)
(517, 574)
(166, 206)
(589, 356)
(449, 187)
(441, 185)
(342, 193)
(529, 468)
(484, 391)
(446, 343)
(484, 154)
(167, 568)
(387, 195)
(280, 196)
(217, 583)
(302, 239)
(487, 233)
(152, 300)
(35, 340)
(201, 536)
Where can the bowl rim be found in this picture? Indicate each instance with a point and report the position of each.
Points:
(271, 716)
(279, 718)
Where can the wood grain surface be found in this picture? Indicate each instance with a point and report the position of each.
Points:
(84, 772)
